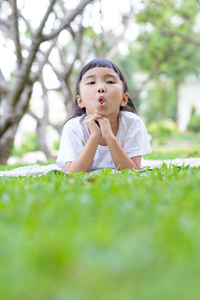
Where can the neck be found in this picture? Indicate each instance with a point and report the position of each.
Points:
(114, 125)
(114, 122)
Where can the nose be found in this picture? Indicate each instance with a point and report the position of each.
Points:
(101, 89)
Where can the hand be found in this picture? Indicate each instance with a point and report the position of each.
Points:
(93, 127)
(106, 130)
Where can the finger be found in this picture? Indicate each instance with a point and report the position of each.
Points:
(97, 116)
(103, 120)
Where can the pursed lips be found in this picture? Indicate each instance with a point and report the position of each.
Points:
(101, 101)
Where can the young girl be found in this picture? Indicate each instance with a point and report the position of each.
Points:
(104, 131)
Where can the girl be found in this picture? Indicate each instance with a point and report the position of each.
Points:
(104, 131)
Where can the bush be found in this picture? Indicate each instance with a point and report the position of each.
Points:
(194, 123)
(29, 144)
(56, 144)
(162, 128)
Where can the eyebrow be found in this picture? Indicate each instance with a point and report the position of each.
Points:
(106, 75)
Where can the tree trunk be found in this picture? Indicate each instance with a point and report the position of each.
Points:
(41, 133)
(18, 94)
(6, 143)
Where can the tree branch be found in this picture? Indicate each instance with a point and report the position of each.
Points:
(26, 21)
(113, 49)
(34, 116)
(153, 73)
(22, 79)
(3, 86)
(44, 61)
(187, 39)
(15, 29)
(23, 74)
(57, 127)
(67, 20)
(5, 24)
(45, 99)
(78, 40)
(42, 23)
(11, 117)
(68, 69)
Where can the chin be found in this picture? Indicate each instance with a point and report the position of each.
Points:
(100, 112)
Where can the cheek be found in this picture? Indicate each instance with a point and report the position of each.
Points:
(118, 89)
(85, 92)
(118, 94)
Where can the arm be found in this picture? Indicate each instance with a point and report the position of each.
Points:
(84, 161)
(120, 157)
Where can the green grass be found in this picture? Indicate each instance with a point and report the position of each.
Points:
(176, 145)
(129, 235)
(173, 151)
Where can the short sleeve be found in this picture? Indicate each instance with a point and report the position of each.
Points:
(136, 141)
(71, 145)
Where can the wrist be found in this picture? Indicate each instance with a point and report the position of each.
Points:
(95, 136)
(110, 137)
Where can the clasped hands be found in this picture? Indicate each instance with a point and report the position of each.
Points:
(99, 126)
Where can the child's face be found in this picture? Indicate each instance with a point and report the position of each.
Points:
(101, 91)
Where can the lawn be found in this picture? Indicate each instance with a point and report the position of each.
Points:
(129, 235)
(178, 145)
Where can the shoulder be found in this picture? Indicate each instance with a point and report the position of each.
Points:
(130, 119)
(74, 123)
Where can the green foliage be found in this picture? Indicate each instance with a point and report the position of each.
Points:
(27, 32)
(162, 128)
(29, 143)
(161, 101)
(90, 33)
(56, 145)
(165, 39)
(167, 45)
(101, 236)
(128, 65)
(194, 123)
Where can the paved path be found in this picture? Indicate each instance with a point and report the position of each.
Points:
(37, 170)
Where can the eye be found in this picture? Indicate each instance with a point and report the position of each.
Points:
(110, 82)
(91, 82)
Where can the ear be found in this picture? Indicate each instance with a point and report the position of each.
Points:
(79, 101)
(124, 99)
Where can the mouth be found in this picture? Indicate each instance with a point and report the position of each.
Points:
(101, 101)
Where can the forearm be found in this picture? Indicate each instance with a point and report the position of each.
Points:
(120, 158)
(84, 161)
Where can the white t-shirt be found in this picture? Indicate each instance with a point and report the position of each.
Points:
(132, 136)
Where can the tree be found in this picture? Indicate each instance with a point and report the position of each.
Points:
(17, 91)
(83, 40)
(30, 59)
(166, 50)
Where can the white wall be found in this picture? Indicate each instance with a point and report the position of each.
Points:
(188, 97)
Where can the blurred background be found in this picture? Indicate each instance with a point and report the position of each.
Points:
(44, 44)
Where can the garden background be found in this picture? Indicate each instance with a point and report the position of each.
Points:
(131, 235)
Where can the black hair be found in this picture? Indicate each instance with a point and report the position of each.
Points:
(103, 63)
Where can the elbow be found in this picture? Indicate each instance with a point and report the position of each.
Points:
(68, 167)
(71, 168)
(137, 166)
